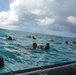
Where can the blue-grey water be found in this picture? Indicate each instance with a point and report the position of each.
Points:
(18, 56)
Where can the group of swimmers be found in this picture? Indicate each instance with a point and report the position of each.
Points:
(74, 41)
(46, 47)
(32, 37)
(34, 45)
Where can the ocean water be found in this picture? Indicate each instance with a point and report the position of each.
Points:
(18, 56)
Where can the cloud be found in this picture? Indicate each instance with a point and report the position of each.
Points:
(46, 21)
(23, 12)
(27, 14)
(8, 18)
(3, 17)
(71, 19)
(37, 12)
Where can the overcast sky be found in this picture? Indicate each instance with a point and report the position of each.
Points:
(57, 17)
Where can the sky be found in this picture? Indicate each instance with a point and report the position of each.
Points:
(56, 17)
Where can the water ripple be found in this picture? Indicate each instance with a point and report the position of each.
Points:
(18, 56)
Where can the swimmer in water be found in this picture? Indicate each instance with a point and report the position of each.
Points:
(29, 36)
(66, 42)
(52, 40)
(10, 38)
(33, 38)
(74, 41)
(46, 47)
(34, 45)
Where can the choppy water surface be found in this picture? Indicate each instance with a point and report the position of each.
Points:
(17, 56)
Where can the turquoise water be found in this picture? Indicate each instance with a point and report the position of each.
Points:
(18, 56)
